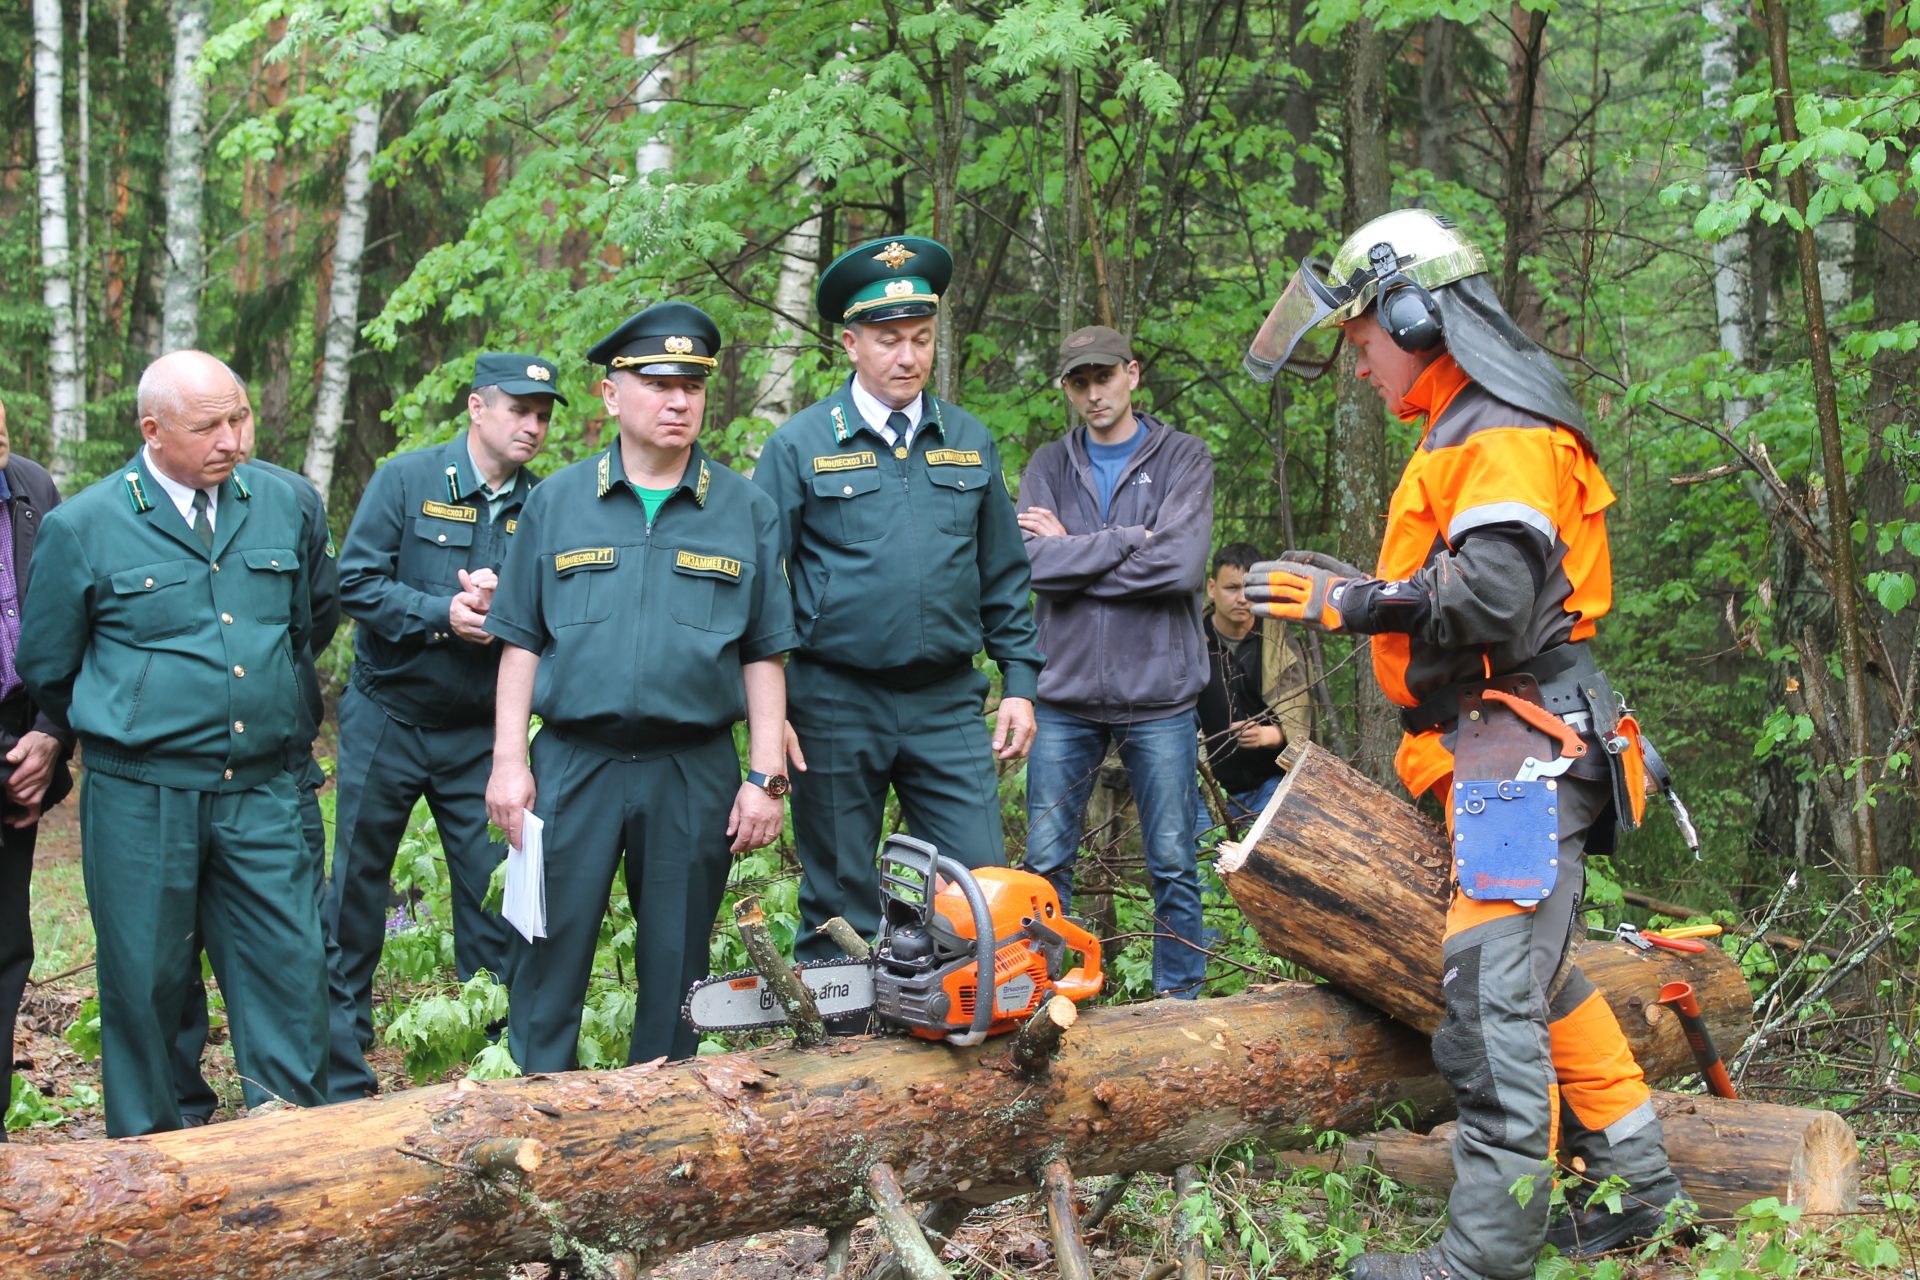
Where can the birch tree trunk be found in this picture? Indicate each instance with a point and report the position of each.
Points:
(185, 182)
(68, 427)
(1732, 302)
(1835, 234)
(343, 299)
(777, 397)
(649, 95)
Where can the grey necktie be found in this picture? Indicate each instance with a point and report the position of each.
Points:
(898, 424)
(202, 526)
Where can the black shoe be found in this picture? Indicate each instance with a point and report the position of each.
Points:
(1424, 1265)
(1588, 1233)
(193, 1121)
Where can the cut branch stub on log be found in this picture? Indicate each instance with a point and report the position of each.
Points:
(1727, 1153)
(809, 1029)
(844, 936)
(1037, 1041)
(1349, 881)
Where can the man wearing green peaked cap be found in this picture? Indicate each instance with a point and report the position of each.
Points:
(418, 572)
(642, 614)
(905, 561)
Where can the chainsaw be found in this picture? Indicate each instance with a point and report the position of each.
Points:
(942, 927)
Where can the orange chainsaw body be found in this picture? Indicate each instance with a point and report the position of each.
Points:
(927, 975)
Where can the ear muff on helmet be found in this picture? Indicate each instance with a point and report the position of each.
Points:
(1406, 310)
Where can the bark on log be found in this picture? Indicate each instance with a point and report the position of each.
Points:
(1727, 1153)
(1349, 881)
(652, 1160)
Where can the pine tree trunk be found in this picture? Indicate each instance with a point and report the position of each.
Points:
(1363, 483)
(185, 180)
(68, 425)
(343, 298)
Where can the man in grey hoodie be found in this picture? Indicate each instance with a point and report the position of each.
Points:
(1118, 517)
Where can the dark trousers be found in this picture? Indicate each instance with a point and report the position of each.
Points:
(385, 766)
(930, 744)
(667, 818)
(16, 941)
(197, 1098)
(166, 868)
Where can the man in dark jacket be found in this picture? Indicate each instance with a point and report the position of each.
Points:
(33, 746)
(1118, 517)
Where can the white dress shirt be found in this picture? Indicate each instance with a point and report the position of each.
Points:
(181, 494)
(874, 411)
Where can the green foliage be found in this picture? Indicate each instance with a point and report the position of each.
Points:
(26, 1107)
(445, 1028)
(84, 1032)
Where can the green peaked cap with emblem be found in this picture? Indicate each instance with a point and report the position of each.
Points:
(885, 280)
(517, 374)
(670, 339)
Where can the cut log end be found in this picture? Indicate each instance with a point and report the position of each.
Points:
(747, 911)
(507, 1155)
(843, 936)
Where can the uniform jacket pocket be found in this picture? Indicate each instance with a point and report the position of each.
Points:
(707, 592)
(270, 581)
(960, 492)
(156, 600)
(851, 505)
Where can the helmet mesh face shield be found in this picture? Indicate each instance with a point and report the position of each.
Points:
(1304, 306)
(1427, 249)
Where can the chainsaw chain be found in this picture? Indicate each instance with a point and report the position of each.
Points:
(686, 1006)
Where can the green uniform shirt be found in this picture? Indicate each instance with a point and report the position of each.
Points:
(642, 629)
(423, 519)
(901, 566)
(175, 666)
(324, 597)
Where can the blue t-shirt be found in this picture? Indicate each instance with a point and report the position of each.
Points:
(1109, 460)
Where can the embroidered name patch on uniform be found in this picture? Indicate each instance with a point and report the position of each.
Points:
(953, 457)
(710, 564)
(585, 557)
(446, 511)
(845, 461)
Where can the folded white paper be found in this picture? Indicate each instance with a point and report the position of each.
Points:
(524, 902)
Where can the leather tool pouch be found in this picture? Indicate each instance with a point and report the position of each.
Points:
(1506, 833)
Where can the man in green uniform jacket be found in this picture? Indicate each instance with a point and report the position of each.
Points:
(417, 571)
(644, 613)
(168, 603)
(197, 1099)
(905, 559)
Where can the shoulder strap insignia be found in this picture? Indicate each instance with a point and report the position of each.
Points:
(700, 490)
(453, 482)
(839, 425)
(606, 475)
(240, 486)
(136, 494)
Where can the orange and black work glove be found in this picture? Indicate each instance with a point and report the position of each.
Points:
(1300, 590)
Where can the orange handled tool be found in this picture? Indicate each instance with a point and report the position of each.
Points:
(1679, 997)
(1540, 718)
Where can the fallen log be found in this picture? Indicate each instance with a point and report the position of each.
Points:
(1728, 1154)
(1349, 881)
(638, 1164)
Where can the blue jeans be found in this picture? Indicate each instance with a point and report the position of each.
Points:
(1242, 806)
(1161, 757)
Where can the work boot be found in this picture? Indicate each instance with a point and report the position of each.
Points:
(1424, 1265)
(1640, 1160)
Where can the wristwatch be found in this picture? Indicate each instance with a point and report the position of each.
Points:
(774, 784)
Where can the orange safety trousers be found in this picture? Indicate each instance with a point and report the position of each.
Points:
(1595, 1071)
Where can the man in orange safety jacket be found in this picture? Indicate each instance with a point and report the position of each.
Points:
(1492, 574)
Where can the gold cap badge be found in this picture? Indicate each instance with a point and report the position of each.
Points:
(539, 373)
(679, 346)
(894, 256)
